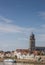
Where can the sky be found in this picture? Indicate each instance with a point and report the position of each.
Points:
(18, 18)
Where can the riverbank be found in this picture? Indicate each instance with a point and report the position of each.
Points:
(28, 61)
(25, 61)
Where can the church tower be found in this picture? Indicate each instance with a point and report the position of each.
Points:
(32, 42)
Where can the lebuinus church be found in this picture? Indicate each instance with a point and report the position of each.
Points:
(32, 44)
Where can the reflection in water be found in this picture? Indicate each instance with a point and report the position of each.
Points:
(17, 64)
(9, 63)
(23, 64)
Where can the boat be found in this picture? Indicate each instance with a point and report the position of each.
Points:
(10, 60)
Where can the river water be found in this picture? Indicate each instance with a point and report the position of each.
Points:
(2, 63)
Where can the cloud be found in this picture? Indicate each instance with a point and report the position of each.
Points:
(42, 15)
(5, 20)
(43, 26)
(14, 28)
(10, 28)
(6, 27)
(23, 38)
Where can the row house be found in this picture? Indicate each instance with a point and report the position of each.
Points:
(1, 54)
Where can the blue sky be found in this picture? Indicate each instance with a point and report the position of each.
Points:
(18, 18)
